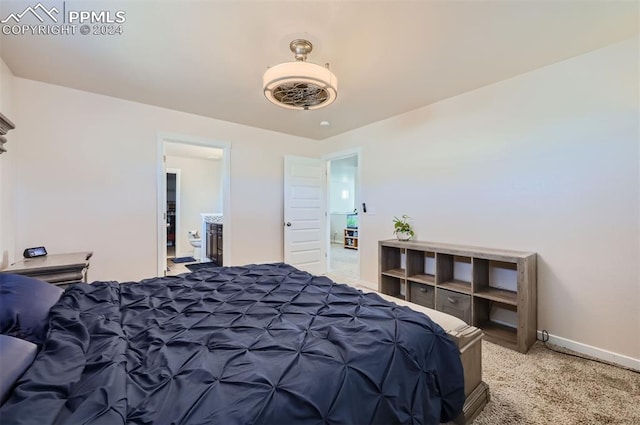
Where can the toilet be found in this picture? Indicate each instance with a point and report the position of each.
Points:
(196, 241)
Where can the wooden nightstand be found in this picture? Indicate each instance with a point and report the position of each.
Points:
(59, 269)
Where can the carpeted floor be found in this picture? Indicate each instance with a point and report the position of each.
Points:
(344, 262)
(543, 387)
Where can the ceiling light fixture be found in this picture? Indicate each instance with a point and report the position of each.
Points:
(300, 84)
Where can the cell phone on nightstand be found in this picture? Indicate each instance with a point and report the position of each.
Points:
(39, 251)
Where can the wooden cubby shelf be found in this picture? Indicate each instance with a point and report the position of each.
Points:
(427, 279)
(492, 289)
(456, 285)
(394, 272)
(500, 295)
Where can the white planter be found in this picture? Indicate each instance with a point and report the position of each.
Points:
(403, 236)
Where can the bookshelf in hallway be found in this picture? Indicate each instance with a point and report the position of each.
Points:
(351, 238)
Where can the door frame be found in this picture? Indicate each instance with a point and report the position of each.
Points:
(161, 232)
(175, 171)
(327, 158)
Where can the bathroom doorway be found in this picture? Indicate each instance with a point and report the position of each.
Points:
(173, 212)
(343, 220)
(199, 169)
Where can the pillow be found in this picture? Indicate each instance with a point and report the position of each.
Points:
(24, 306)
(17, 355)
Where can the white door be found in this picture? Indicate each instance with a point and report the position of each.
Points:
(304, 213)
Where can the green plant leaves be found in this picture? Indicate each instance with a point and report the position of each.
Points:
(402, 225)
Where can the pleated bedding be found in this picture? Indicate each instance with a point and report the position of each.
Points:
(257, 344)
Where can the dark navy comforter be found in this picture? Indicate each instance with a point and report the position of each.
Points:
(259, 344)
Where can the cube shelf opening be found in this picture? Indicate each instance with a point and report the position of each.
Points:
(499, 321)
(392, 261)
(421, 267)
(495, 280)
(454, 272)
(392, 286)
(495, 274)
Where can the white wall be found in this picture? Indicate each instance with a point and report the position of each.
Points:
(86, 168)
(338, 222)
(544, 162)
(7, 254)
(200, 192)
(342, 178)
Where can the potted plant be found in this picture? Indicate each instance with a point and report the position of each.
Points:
(402, 229)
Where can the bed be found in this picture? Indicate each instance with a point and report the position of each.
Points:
(257, 344)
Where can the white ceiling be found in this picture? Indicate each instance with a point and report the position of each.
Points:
(208, 57)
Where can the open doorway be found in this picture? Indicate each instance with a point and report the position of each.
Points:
(193, 189)
(173, 212)
(343, 220)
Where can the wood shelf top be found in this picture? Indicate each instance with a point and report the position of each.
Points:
(394, 272)
(427, 279)
(499, 295)
(461, 250)
(456, 285)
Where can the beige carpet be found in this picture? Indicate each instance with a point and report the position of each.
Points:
(543, 387)
(344, 263)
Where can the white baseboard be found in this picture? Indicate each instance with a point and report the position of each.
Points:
(598, 353)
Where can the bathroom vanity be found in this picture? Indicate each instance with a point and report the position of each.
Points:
(214, 242)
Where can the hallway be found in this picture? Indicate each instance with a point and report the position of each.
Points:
(344, 263)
